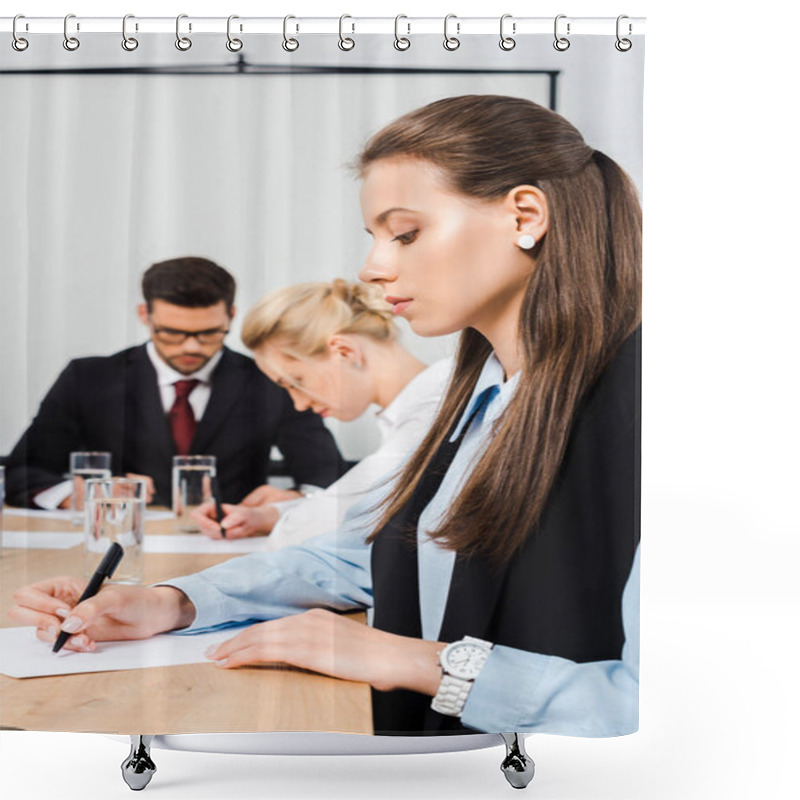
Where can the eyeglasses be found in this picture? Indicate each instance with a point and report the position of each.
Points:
(173, 336)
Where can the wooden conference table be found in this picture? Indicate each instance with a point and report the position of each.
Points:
(191, 698)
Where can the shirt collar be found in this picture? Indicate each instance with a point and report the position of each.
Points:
(492, 374)
(409, 396)
(166, 375)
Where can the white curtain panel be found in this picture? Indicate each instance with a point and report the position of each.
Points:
(108, 172)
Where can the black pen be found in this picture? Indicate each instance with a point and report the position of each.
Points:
(106, 569)
(218, 504)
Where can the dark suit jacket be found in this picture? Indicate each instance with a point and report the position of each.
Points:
(561, 594)
(112, 403)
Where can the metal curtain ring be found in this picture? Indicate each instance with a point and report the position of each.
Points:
(18, 43)
(345, 42)
(128, 42)
(507, 42)
(70, 42)
(623, 45)
(290, 45)
(182, 42)
(234, 45)
(561, 43)
(451, 42)
(401, 42)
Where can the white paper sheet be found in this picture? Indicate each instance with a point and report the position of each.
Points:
(66, 514)
(202, 544)
(22, 655)
(37, 540)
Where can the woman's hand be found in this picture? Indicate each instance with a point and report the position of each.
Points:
(254, 516)
(239, 521)
(326, 642)
(269, 494)
(114, 613)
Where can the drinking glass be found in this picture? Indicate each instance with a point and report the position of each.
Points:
(191, 486)
(115, 513)
(84, 467)
(2, 501)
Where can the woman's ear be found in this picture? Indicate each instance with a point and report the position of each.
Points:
(346, 349)
(529, 206)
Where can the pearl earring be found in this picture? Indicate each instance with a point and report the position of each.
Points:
(526, 241)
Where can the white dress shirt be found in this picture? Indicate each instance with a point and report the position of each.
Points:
(402, 425)
(167, 377)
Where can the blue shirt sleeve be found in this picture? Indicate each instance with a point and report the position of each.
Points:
(529, 692)
(332, 571)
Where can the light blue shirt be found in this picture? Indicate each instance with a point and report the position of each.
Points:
(516, 690)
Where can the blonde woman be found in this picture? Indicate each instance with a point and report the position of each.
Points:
(334, 347)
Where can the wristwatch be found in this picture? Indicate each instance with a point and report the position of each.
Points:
(461, 663)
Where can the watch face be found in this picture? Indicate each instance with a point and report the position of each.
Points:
(464, 660)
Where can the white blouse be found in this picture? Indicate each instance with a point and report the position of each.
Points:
(402, 425)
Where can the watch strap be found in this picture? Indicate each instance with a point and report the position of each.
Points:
(476, 640)
(452, 696)
(453, 692)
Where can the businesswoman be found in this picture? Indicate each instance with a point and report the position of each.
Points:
(335, 348)
(512, 531)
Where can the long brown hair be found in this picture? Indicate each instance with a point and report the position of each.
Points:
(581, 302)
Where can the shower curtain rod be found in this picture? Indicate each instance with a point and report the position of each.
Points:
(347, 25)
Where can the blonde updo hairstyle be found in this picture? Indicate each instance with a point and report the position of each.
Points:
(301, 318)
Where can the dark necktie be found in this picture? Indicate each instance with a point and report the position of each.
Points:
(482, 403)
(181, 417)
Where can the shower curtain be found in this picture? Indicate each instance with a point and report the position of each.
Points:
(239, 146)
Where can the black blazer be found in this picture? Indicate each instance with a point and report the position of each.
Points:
(561, 594)
(113, 403)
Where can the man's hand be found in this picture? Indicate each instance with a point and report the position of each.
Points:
(150, 487)
(76, 500)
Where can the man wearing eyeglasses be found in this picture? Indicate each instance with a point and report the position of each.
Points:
(183, 392)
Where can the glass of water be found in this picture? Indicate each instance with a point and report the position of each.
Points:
(85, 467)
(2, 502)
(115, 513)
(191, 487)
